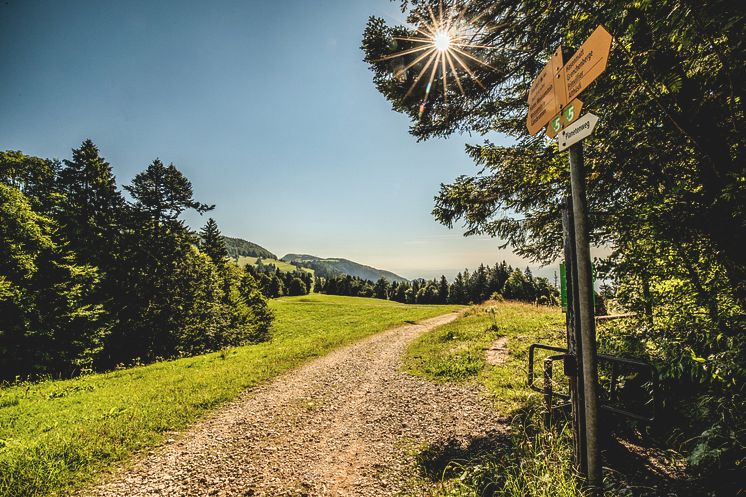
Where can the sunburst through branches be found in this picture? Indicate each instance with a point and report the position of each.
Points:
(443, 43)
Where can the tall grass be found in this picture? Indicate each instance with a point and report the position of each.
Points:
(535, 463)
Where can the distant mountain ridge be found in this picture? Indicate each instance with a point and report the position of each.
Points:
(337, 266)
(239, 247)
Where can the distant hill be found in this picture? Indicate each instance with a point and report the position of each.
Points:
(238, 247)
(336, 267)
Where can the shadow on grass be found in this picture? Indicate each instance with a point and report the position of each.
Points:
(644, 468)
(443, 459)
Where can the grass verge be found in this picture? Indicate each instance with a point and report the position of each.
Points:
(531, 460)
(56, 436)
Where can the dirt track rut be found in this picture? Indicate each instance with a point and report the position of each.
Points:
(347, 424)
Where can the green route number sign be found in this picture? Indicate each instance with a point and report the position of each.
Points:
(563, 286)
(567, 116)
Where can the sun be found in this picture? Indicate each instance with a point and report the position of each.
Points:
(442, 43)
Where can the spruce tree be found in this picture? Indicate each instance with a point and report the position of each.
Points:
(212, 243)
(164, 192)
(92, 208)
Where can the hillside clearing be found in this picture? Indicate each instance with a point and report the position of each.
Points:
(281, 265)
(55, 435)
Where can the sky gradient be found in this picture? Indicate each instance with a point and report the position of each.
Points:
(267, 107)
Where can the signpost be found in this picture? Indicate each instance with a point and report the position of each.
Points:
(580, 130)
(588, 62)
(568, 115)
(552, 100)
(543, 98)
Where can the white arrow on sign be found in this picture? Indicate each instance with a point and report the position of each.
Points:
(579, 130)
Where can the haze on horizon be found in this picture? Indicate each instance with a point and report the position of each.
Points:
(267, 107)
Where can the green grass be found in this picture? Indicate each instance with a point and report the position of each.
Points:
(58, 435)
(532, 461)
(456, 351)
(281, 265)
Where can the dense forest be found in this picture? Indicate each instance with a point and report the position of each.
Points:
(498, 282)
(91, 280)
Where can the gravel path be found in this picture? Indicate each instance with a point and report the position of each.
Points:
(347, 424)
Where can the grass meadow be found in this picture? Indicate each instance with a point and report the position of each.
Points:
(57, 435)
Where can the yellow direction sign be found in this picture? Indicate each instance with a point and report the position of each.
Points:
(568, 115)
(586, 64)
(543, 101)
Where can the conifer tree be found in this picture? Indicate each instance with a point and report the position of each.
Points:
(443, 290)
(92, 208)
(212, 243)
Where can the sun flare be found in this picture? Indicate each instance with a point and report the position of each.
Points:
(442, 42)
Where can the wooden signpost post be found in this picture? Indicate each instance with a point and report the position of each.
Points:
(553, 100)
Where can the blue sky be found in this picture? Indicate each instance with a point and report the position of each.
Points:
(267, 107)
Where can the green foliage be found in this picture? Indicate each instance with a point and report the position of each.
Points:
(274, 282)
(297, 287)
(58, 435)
(90, 281)
(48, 322)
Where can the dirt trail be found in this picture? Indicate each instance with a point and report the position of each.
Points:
(346, 424)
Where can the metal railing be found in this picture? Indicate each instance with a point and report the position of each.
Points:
(569, 368)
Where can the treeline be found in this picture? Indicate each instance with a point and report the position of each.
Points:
(90, 280)
(274, 282)
(499, 281)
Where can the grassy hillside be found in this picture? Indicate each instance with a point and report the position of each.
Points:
(336, 267)
(57, 435)
(281, 265)
(239, 247)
